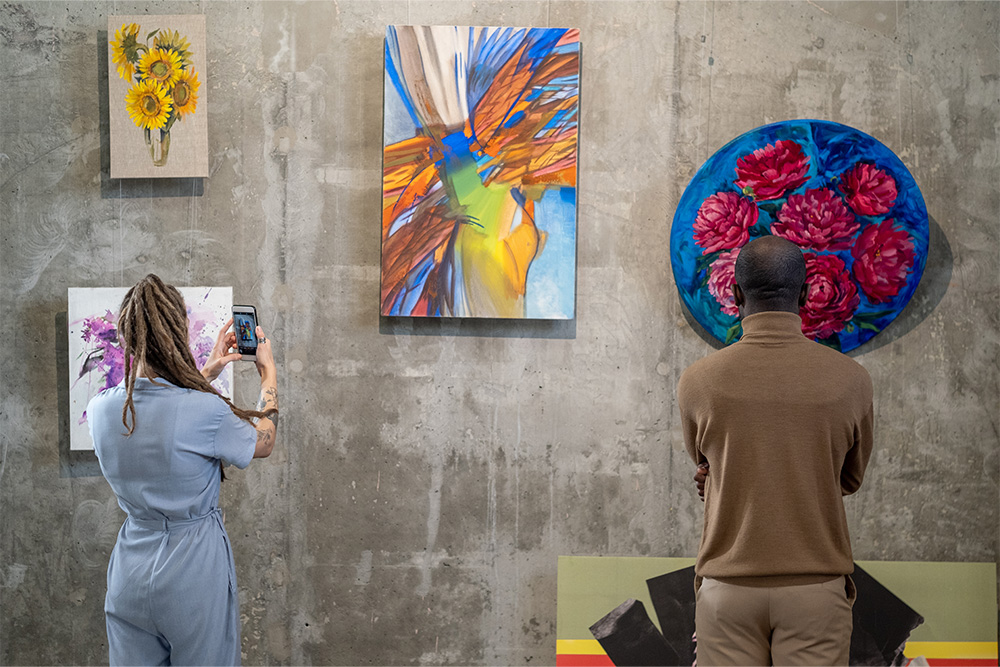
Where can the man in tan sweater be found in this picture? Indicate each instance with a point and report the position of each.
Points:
(781, 428)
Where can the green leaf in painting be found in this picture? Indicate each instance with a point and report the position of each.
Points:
(704, 261)
(150, 35)
(832, 341)
(867, 325)
(771, 208)
(734, 332)
(873, 316)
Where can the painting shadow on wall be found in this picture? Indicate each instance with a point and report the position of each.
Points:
(929, 293)
(124, 188)
(72, 463)
(477, 327)
(696, 326)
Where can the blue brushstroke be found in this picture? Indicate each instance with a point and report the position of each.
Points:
(514, 120)
(550, 291)
(392, 71)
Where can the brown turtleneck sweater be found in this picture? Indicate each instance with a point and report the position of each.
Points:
(786, 426)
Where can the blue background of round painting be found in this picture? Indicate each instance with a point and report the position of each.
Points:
(832, 149)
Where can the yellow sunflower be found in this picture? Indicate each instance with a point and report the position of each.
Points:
(162, 66)
(172, 40)
(148, 105)
(125, 50)
(185, 93)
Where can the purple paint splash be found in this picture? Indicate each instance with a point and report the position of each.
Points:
(105, 360)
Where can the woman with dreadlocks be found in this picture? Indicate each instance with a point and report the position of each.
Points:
(162, 437)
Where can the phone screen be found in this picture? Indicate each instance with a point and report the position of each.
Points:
(245, 326)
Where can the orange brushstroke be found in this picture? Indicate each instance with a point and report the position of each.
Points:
(405, 249)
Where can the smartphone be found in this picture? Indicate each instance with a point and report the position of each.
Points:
(245, 326)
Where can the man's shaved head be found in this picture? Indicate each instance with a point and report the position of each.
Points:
(771, 271)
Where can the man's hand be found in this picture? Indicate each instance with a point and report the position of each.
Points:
(699, 479)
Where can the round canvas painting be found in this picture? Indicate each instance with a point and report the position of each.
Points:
(839, 194)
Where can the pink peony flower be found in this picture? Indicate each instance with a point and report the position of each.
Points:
(724, 221)
(721, 278)
(868, 189)
(770, 172)
(883, 258)
(832, 297)
(817, 219)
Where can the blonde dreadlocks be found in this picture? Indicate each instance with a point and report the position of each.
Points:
(153, 334)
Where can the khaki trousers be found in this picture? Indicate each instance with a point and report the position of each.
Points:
(784, 625)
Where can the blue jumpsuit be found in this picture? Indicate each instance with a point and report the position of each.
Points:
(172, 596)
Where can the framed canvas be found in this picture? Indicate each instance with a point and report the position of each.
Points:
(479, 172)
(842, 196)
(157, 102)
(95, 357)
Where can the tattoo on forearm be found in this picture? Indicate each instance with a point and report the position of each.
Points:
(268, 404)
(268, 399)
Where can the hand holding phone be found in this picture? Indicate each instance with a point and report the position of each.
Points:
(245, 327)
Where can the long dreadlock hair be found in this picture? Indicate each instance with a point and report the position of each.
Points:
(153, 334)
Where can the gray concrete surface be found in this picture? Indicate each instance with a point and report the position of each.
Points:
(429, 474)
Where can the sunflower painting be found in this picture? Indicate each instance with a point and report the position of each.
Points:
(156, 65)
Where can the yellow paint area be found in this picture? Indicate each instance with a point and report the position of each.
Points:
(951, 650)
(494, 253)
(579, 647)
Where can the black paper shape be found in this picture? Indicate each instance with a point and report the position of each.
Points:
(629, 638)
(882, 623)
(673, 600)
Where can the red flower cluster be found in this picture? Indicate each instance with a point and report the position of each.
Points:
(817, 220)
(721, 278)
(724, 221)
(883, 258)
(770, 172)
(824, 221)
(832, 297)
(868, 190)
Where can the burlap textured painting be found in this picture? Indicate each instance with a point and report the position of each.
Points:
(157, 96)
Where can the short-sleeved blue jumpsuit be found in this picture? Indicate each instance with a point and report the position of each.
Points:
(172, 596)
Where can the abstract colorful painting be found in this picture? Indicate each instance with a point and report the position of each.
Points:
(156, 101)
(95, 357)
(839, 194)
(479, 172)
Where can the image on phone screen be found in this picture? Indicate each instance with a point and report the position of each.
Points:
(245, 325)
(246, 333)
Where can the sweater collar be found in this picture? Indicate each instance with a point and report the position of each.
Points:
(772, 325)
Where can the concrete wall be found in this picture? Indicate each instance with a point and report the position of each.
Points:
(428, 474)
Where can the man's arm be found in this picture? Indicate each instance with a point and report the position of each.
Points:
(856, 461)
(689, 425)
